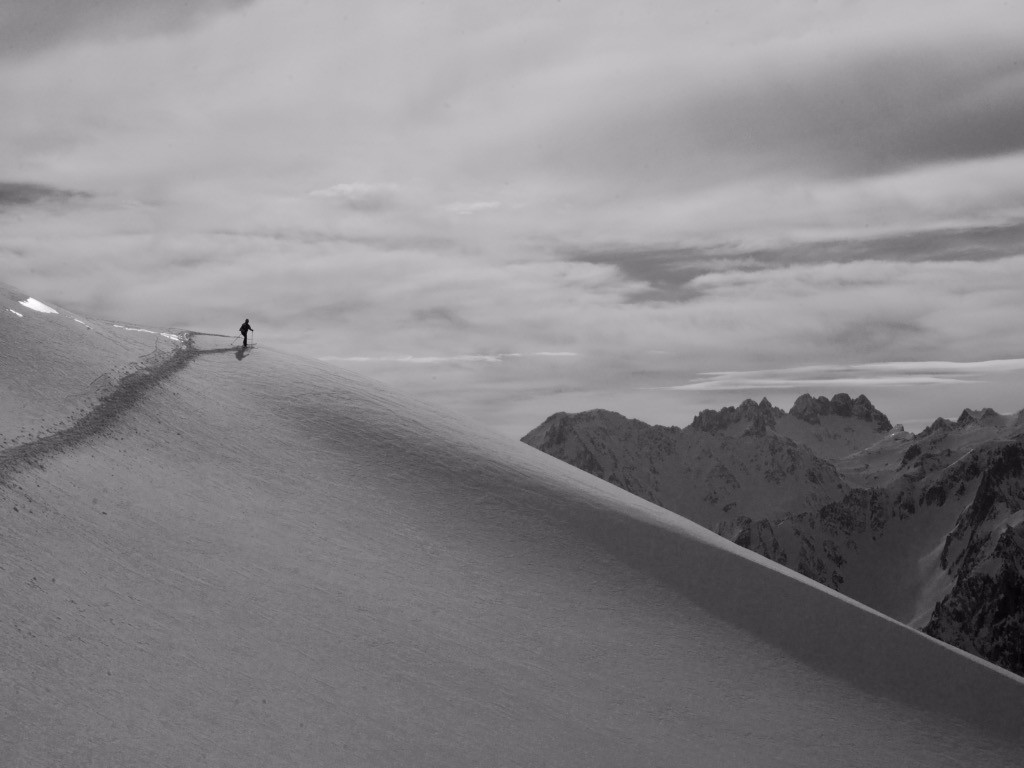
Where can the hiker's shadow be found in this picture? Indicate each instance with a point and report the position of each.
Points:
(240, 352)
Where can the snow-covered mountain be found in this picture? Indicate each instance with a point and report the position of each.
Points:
(211, 556)
(755, 461)
(926, 528)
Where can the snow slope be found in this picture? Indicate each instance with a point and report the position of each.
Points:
(56, 364)
(241, 559)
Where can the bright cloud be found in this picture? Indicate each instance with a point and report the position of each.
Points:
(837, 383)
(467, 209)
(366, 197)
(889, 374)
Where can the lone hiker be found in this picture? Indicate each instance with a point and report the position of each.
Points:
(244, 330)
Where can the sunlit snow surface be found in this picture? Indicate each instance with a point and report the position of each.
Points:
(38, 306)
(247, 558)
(171, 336)
(53, 371)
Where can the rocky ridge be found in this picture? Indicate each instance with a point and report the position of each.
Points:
(727, 463)
(928, 528)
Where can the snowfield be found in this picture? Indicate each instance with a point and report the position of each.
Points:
(227, 558)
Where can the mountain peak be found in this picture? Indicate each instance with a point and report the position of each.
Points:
(969, 417)
(983, 416)
(760, 417)
(811, 409)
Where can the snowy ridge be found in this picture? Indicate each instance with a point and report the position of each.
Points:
(263, 560)
(112, 399)
(56, 367)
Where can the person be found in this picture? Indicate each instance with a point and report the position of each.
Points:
(245, 332)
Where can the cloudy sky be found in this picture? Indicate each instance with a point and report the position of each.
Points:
(518, 207)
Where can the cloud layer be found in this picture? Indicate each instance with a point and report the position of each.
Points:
(846, 376)
(27, 28)
(659, 189)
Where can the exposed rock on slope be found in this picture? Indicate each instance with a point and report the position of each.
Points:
(984, 557)
(812, 409)
(726, 464)
(927, 528)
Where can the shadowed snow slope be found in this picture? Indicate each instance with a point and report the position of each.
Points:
(254, 559)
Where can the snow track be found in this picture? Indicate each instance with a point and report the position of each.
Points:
(112, 401)
(128, 391)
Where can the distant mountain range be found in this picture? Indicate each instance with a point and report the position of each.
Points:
(927, 528)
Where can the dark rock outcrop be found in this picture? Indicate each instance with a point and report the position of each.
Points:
(759, 417)
(812, 409)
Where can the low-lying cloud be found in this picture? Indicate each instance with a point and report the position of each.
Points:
(818, 377)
